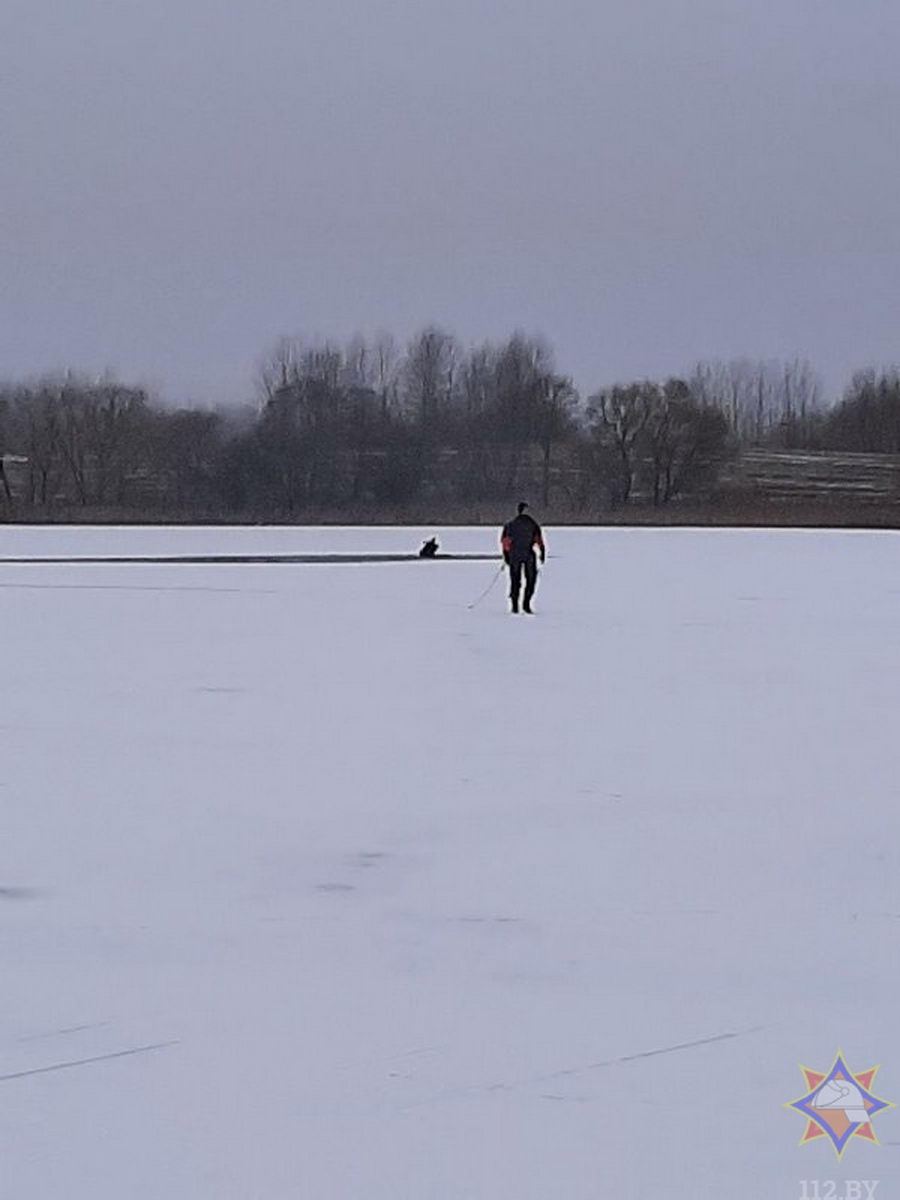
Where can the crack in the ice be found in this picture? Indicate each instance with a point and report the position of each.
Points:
(83, 1062)
(37, 1037)
(627, 1058)
(569, 1072)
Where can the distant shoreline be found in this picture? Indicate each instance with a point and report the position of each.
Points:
(762, 515)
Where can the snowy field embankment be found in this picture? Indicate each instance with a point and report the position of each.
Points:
(391, 898)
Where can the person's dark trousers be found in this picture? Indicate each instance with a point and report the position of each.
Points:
(517, 568)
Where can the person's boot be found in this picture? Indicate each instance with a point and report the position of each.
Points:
(526, 607)
(514, 602)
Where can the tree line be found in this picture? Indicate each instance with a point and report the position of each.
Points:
(375, 426)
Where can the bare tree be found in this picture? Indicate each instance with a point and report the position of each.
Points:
(765, 403)
(428, 373)
(38, 417)
(554, 423)
(186, 448)
(868, 417)
(386, 381)
(683, 442)
(5, 430)
(618, 418)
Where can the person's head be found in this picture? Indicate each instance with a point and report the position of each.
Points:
(522, 507)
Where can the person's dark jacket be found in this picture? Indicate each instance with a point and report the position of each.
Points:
(520, 538)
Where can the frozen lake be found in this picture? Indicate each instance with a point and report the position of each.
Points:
(316, 884)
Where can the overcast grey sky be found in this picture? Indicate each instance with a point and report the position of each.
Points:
(646, 182)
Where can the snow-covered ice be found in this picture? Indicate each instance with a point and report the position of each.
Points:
(394, 899)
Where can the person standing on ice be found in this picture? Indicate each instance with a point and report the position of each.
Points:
(520, 538)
